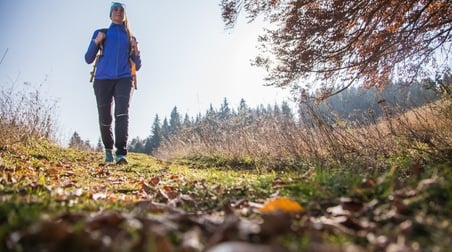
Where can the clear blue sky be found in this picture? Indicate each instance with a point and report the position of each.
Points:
(189, 60)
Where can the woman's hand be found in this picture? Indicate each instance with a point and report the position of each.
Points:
(134, 46)
(99, 38)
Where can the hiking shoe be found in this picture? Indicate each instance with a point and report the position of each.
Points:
(109, 156)
(121, 160)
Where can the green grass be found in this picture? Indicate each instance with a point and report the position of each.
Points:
(42, 183)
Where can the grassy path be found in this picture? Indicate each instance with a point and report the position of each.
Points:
(53, 199)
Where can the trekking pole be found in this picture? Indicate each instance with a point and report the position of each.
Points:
(101, 48)
(94, 69)
(133, 71)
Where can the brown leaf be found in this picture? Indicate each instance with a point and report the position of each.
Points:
(100, 172)
(148, 189)
(368, 183)
(418, 169)
(52, 173)
(113, 197)
(352, 205)
(105, 220)
(275, 223)
(154, 238)
(400, 205)
(153, 207)
(169, 192)
(42, 233)
(154, 181)
(354, 224)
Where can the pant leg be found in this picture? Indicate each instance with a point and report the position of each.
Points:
(122, 94)
(103, 89)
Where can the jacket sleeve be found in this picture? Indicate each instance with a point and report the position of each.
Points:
(90, 54)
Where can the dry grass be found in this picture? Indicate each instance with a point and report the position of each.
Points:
(25, 115)
(421, 133)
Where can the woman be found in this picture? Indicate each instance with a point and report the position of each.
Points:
(113, 80)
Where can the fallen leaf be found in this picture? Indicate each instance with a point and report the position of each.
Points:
(169, 192)
(368, 183)
(154, 181)
(281, 204)
(275, 223)
(105, 220)
(146, 187)
(53, 173)
(45, 232)
(150, 206)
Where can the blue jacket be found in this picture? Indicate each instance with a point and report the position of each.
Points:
(114, 63)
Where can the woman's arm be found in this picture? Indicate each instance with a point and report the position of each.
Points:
(93, 47)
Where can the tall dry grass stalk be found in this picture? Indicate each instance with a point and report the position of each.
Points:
(25, 115)
(278, 141)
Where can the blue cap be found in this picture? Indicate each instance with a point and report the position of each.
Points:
(114, 5)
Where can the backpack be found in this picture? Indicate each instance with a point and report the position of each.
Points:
(133, 69)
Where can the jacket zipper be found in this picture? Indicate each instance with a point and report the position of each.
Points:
(117, 51)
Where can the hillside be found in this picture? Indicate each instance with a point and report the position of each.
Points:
(53, 198)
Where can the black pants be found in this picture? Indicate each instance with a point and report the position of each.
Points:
(117, 93)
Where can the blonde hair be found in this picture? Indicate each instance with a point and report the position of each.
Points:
(127, 26)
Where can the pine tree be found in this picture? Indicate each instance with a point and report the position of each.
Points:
(156, 137)
(243, 107)
(245, 113)
(148, 146)
(175, 123)
(225, 111)
(76, 142)
(276, 111)
(165, 129)
(187, 121)
(286, 111)
(137, 145)
(211, 112)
